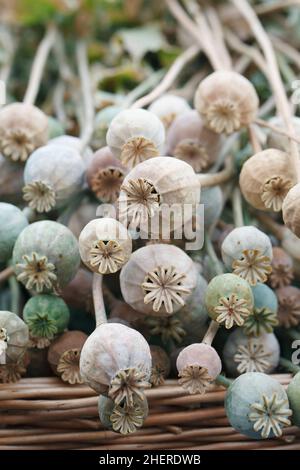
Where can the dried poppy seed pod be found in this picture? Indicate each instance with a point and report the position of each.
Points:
(242, 353)
(229, 300)
(293, 392)
(257, 405)
(263, 318)
(64, 356)
(161, 366)
(78, 293)
(23, 128)
(75, 144)
(52, 175)
(105, 245)
(13, 338)
(168, 107)
(198, 365)
(135, 135)
(226, 101)
(46, 256)
(12, 222)
(189, 140)
(247, 251)
(158, 279)
(289, 306)
(11, 181)
(282, 268)
(46, 316)
(278, 141)
(124, 419)
(116, 361)
(105, 175)
(55, 128)
(290, 210)
(266, 178)
(153, 188)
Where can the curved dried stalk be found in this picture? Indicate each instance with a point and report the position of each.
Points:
(213, 179)
(99, 306)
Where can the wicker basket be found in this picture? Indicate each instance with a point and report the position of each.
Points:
(44, 413)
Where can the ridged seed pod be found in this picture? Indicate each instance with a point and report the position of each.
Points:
(167, 107)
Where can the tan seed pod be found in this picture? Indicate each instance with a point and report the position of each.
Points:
(266, 178)
(64, 356)
(189, 140)
(282, 268)
(78, 293)
(168, 107)
(158, 279)
(115, 360)
(226, 101)
(105, 175)
(155, 185)
(23, 128)
(134, 135)
(291, 211)
(105, 245)
(161, 366)
(288, 306)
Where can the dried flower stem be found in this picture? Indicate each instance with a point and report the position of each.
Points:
(150, 83)
(38, 65)
(6, 273)
(87, 95)
(275, 228)
(237, 45)
(99, 307)
(274, 77)
(224, 381)
(288, 365)
(217, 33)
(168, 80)
(266, 8)
(211, 332)
(217, 265)
(181, 16)
(15, 295)
(254, 139)
(237, 208)
(213, 179)
(286, 49)
(278, 130)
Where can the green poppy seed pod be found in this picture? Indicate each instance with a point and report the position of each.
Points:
(198, 365)
(188, 139)
(102, 121)
(226, 101)
(11, 181)
(23, 128)
(257, 406)
(158, 279)
(12, 222)
(263, 318)
(122, 418)
(247, 251)
(46, 316)
(46, 256)
(163, 191)
(116, 361)
(52, 175)
(74, 143)
(167, 107)
(13, 338)
(242, 353)
(293, 392)
(134, 135)
(55, 128)
(105, 245)
(229, 300)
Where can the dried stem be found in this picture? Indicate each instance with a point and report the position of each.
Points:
(254, 139)
(87, 95)
(38, 65)
(237, 208)
(15, 295)
(218, 35)
(274, 77)
(6, 273)
(270, 224)
(213, 179)
(266, 8)
(217, 265)
(168, 80)
(211, 332)
(224, 381)
(289, 366)
(278, 130)
(148, 84)
(99, 307)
